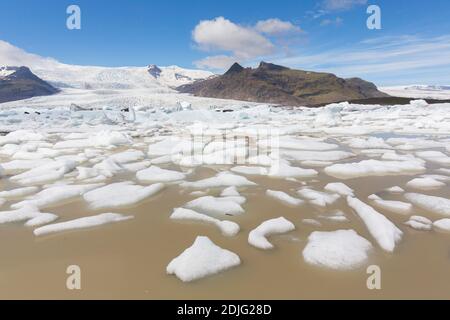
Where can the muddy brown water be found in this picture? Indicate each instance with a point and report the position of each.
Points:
(127, 260)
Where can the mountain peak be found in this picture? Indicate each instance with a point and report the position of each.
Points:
(154, 71)
(235, 68)
(271, 66)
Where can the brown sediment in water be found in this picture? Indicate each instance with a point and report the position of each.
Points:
(128, 260)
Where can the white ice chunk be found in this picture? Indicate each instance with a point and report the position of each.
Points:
(261, 171)
(339, 188)
(337, 250)
(223, 179)
(321, 199)
(202, 259)
(367, 168)
(433, 204)
(120, 194)
(425, 184)
(381, 228)
(435, 157)
(228, 228)
(395, 189)
(230, 192)
(258, 236)
(156, 174)
(419, 223)
(55, 195)
(18, 193)
(442, 225)
(41, 219)
(393, 206)
(284, 198)
(284, 170)
(213, 205)
(81, 223)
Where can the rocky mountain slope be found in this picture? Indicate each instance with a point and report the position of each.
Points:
(271, 83)
(18, 83)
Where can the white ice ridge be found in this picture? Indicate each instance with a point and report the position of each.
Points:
(156, 174)
(228, 228)
(46, 173)
(442, 225)
(202, 259)
(437, 205)
(426, 183)
(284, 198)
(419, 223)
(318, 198)
(337, 250)
(100, 139)
(223, 179)
(120, 194)
(55, 195)
(339, 188)
(381, 228)
(435, 157)
(395, 189)
(393, 206)
(18, 193)
(30, 214)
(213, 205)
(81, 223)
(258, 237)
(367, 168)
(284, 170)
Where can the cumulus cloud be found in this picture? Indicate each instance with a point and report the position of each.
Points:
(222, 34)
(276, 26)
(219, 62)
(13, 56)
(238, 43)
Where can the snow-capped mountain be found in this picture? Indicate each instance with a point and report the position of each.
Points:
(419, 91)
(63, 75)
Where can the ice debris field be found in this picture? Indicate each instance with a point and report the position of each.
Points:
(111, 159)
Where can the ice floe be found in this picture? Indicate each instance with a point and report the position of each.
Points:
(223, 179)
(228, 228)
(442, 225)
(437, 205)
(258, 237)
(214, 205)
(318, 198)
(339, 188)
(381, 228)
(425, 184)
(120, 194)
(156, 174)
(284, 198)
(202, 259)
(392, 206)
(367, 168)
(81, 223)
(337, 250)
(419, 223)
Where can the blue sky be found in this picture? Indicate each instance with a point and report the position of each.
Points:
(413, 45)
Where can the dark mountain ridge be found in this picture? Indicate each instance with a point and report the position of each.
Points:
(20, 83)
(270, 83)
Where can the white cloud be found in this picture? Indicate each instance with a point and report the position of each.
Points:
(220, 62)
(223, 35)
(276, 26)
(395, 57)
(336, 22)
(336, 5)
(238, 43)
(13, 56)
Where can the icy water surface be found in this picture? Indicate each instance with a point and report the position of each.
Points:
(330, 170)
